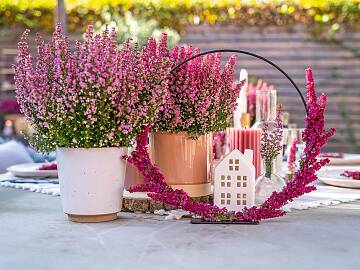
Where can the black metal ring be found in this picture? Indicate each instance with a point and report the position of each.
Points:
(247, 53)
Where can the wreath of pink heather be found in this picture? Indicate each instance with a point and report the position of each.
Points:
(202, 95)
(94, 95)
(315, 137)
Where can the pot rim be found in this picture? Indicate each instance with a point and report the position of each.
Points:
(177, 133)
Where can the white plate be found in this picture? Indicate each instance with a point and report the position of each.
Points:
(348, 159)
(31, 170)
(331, 176)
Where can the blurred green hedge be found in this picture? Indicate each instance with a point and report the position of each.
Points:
(330, 15)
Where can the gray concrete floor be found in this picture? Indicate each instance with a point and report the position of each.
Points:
(35, 234)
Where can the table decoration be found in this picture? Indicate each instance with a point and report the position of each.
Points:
(245, 120)
(201, 98)
(89, 104)
(340, 177)
(270, 148)
(48, 166)
(325, 195)
(251, 98)
(315, 137)
(241, 101)
(332, 155)
(32, 170)
(218, 144)
(291, 134)
(184, 160)
(346, 159)
(291, 161)
(234, 181)
(245, 138)
(353, 174)
(265, 107)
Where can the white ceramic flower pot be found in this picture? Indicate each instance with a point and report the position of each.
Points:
(91, 182)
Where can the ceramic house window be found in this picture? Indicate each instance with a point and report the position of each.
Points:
(231, 164)
(234, 181)
(236, 165)
(241, 199)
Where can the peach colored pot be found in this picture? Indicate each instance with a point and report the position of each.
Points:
(133, 177)
(184, 161)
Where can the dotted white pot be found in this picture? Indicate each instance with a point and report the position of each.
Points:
(91, 182)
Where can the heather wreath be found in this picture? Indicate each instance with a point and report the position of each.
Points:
(202, 95)
(315, 137)
(94, 95)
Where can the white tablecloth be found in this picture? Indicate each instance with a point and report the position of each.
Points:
(324, 195)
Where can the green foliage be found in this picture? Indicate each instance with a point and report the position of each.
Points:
(138, 29)
(328, 15)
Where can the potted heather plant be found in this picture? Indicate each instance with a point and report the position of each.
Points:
(201, 98)
(89, 104)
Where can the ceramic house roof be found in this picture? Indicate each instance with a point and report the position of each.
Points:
(237, 154)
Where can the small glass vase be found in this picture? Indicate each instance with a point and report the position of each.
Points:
(265, 108)
(267, 183)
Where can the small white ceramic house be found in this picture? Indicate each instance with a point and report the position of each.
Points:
(234, 181)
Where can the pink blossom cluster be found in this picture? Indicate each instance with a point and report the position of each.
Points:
(251, 97)
(201, 96)
(9, 106)
(315, 137)
(351, 174)
(332, 155)
(48, 166)
(218, 144)
(292, 156)
(94, 95)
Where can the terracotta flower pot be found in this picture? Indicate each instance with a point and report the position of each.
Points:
(133, 176)
(91, 182)
(183, 161)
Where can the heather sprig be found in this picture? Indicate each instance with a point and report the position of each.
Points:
(95, 95)
(292, 156)
(270, 144)
(202, 95)
(315, 137)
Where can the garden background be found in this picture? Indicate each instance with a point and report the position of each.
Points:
(322, 34)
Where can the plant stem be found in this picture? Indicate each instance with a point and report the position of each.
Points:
(268, 168)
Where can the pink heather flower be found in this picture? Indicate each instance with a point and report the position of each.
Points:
(75, 98)
(270, 144)
(9, 106)
(218, 144)
(314, 136)
(201, 96)
(292, 156)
